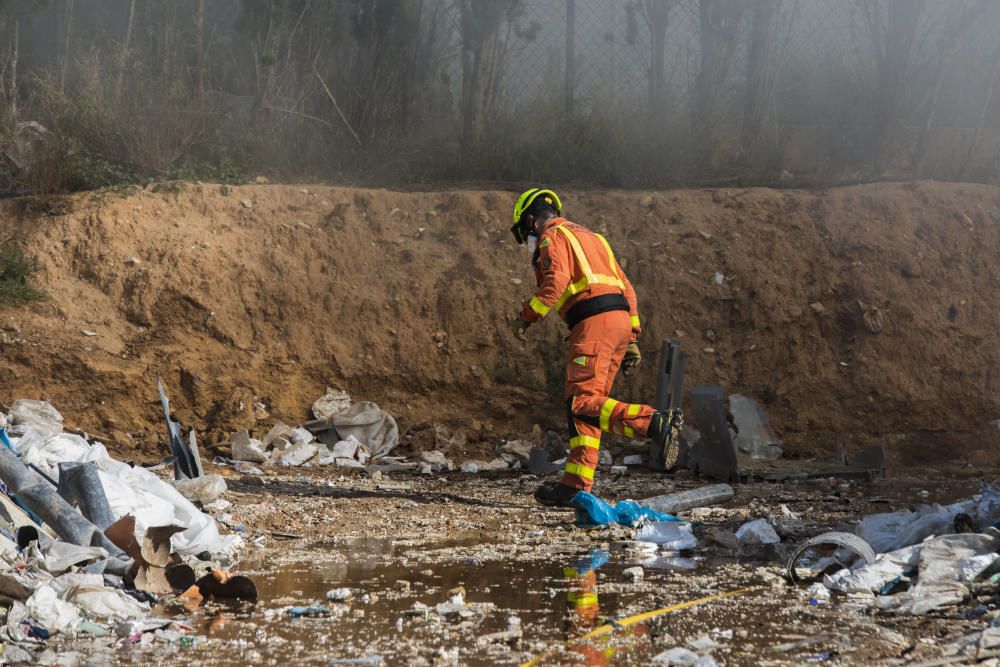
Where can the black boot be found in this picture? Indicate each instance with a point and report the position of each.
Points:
(663, 433)
(554, 494)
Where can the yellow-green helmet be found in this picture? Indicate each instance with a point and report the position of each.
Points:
(520, 227)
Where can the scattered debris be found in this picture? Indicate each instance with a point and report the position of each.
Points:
(204, 489)
(332, 403)
(245, 448)
(895, 530)
(670, 535)
(296, 454)
(854, 546)
(339, 594)
(96, 539)
(758, 531)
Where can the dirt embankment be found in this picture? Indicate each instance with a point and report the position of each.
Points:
(856, 315)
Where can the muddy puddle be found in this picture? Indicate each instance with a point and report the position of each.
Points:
(511, 583)
(393, 611)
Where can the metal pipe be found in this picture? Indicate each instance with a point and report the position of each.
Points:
(39, 497)
(80, 483)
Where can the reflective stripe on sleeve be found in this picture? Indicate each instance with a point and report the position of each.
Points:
(634, 322)
(536, 305)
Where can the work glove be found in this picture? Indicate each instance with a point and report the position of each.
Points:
(519, 327)
(632, 357)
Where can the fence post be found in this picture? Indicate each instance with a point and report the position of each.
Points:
(570, 54)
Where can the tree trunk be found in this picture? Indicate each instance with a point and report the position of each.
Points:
(202, 56)
(658, 15)
(994, 72)
(755, 105)
(123, 60)
(472, 57)
(895, 53)
(15, 49)
(65, 33)
(570, 73)
(719, 22)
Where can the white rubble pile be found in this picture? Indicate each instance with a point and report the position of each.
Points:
(917, 553)
(360, 435)
(130, 491)
(57, 587)
(364, 432)
(895, 530)
(939, 571)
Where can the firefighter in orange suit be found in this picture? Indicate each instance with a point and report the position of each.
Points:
(578, 276)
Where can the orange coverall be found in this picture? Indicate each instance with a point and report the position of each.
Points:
(573, 265)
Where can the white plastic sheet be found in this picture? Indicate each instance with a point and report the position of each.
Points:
(874, 577)
(670, 535)
(46, 452)
(895, 530)
(88, 592)
(39, 416)
(758, 531)
(60, 556)
(134, 491)
(144, 495)
(371, 425)
(944, 564)
(53, 614)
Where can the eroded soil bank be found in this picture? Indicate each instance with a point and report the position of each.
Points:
(858, 315)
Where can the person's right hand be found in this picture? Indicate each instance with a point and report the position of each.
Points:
(519, 327)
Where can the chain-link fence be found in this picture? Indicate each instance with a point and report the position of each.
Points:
(758, 89)
(605, 92)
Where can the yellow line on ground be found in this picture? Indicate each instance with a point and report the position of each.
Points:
(632, 620)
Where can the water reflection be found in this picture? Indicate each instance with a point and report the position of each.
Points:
(584, 616)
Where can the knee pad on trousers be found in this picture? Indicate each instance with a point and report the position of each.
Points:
(573, 418)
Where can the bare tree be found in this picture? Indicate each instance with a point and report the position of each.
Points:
(657, 13)
(484, 44)
(123, 57)
(719, 25)
(15, 50)
(759, 63)
(892, 25)
(66, 32)
(199, 22)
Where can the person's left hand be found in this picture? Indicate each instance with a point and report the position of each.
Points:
(632, 358)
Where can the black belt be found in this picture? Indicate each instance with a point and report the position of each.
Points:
(595, 306)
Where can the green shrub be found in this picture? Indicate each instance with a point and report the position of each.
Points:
(15, 268)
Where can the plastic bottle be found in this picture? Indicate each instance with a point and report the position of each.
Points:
(673, 503)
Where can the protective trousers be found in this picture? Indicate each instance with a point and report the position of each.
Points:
(596, 348)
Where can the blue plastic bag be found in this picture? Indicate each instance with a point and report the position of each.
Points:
(592, 511)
